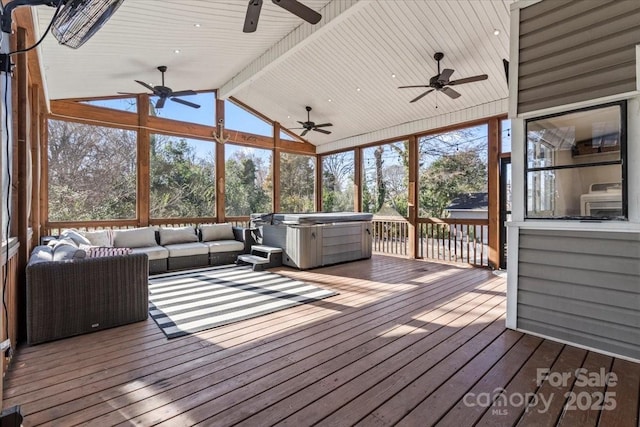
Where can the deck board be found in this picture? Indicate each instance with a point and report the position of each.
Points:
(402, 343)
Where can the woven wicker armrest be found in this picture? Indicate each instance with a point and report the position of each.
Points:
(243, 235)
(80, 296)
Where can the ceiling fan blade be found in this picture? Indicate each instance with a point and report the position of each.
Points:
(146, 85)
(323, 125)
(302, 123)
(183, 102)
(252, 16)
(405, 87)
(160, 102)
(450, 92)
(322, 130)
(300, 10)
(184, 93)
(469, 79)
(126, 93)
(505, 64)
(420, 96)
(304, 132)
(444, 75)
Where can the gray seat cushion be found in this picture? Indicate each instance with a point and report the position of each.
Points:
(218, 246)
(153, 252)
(187, 249)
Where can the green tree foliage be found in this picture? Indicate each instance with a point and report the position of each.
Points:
(245, 185)
(92, 172)
(448, 177)
(337, 182)
(297, 182)
(182, 178)
(385, 183)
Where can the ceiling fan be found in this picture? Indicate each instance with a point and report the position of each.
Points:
(164, 93)
(309, 125)
(293, 6)
(440, 82)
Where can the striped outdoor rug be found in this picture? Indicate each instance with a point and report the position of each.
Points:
(190, 301)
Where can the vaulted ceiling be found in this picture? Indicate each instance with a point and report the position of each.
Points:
(347, 67)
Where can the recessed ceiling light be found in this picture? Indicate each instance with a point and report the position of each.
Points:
(288, 117)
(329, 99)
(196, 25)
(393, 76)
(357, 89)
(176, 51)
(496, 32)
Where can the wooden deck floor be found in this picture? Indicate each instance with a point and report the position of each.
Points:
(407, 343)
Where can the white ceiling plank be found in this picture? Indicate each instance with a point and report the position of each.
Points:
(288, 64)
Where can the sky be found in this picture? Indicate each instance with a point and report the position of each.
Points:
(236, 118)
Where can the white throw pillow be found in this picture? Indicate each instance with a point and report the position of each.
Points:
(135, 238)
(99, 238)
(211, 232)
(74, 235)
(64, 251)
(170, 236)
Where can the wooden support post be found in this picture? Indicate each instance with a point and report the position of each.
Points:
(21, 215)
(318, 185)
(276, 173)
(143, 206)
(494, 192)
(413, 197)
(220, 174)
(357, 179)
(44, 172)
(34, 212)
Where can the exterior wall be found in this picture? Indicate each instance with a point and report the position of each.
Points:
(573, 50)
(572, 281)
(582, 287)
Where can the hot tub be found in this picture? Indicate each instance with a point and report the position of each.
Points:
(317, 239)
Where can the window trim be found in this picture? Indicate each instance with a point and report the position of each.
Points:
(622, 162)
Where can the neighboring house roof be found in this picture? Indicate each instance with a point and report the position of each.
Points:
(470, 201)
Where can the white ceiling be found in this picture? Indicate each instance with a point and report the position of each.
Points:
(288, 64)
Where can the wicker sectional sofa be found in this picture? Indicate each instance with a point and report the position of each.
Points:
(72, 297)
(88, 281)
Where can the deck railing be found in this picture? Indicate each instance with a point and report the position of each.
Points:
(390, 235)
(445, 239)
(458, 240)
(55, 228)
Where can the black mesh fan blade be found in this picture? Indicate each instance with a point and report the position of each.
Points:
(445, 75)
(420, 96)
(505, 64)
(304, 132)
(160, 102)
(406, 87)
(187, 103)
(184, 93)
(145, 85)
(469, 79)
(300, 10)
(323, 125)
(322, 130)
(450, 92)
(252, 16)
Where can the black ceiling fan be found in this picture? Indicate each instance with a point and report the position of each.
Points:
(440, 82)
(164, 93)
(293, 6)
(309, 125)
